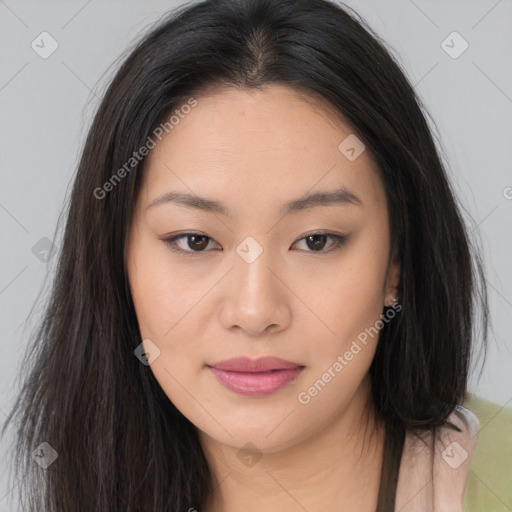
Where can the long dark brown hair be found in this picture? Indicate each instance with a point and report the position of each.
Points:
(121, 443)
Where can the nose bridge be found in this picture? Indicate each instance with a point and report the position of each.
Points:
(254, 278)
(255, 299)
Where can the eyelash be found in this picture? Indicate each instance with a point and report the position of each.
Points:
(339, 240)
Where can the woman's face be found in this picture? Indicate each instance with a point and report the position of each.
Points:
(252, 283)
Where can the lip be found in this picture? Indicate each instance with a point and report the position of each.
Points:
(255, 377)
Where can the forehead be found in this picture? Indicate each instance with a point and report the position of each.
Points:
(259, 146)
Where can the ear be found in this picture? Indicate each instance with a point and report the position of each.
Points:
(393, 279)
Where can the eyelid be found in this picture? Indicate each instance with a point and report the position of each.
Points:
(338, 241)
(171, 240)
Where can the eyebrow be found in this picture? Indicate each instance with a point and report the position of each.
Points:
(340, 196)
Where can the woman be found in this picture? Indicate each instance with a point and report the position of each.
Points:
(266, 294)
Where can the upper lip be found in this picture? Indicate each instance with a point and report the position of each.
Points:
(262, 364)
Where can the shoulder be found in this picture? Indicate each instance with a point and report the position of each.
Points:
(488, 486)
(434, 468)
(465, 420)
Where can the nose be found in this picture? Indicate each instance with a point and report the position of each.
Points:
(255, 299)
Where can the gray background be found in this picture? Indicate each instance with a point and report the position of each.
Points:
(47, 104)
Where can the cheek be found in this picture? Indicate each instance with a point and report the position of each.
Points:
(350, 308)
(164, 293)
(165, 301)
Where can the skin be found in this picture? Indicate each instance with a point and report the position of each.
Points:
(254, 151)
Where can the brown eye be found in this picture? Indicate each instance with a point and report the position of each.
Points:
(191, 244)
(188, 243)
(316, 242)
(197, 242)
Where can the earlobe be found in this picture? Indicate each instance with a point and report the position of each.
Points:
(393, 281)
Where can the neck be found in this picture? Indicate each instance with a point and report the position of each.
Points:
(336, 469)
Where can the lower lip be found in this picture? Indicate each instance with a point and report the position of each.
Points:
(256, 383)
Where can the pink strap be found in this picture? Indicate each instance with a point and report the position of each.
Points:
(417, 491)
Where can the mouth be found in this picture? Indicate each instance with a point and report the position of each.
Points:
(259, 377)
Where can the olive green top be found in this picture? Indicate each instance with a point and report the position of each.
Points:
(489, 480)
